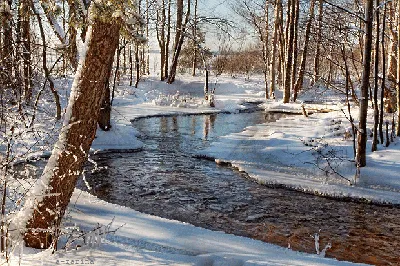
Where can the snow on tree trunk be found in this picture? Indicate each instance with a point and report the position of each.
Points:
(47, 202)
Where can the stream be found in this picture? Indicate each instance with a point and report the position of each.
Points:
(165, 179)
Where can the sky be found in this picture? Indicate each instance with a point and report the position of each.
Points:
(224, 9)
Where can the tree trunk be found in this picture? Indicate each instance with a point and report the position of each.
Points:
(362, 127)
(398, 70)
(289, 54)
(72, 50)
(26, 49)
(376, 80)
(194, 63)
(383, 76)
(319, 40)
(179, 38)
(46, 205)
(137, 65)
(275, 42)
(7, 48)
(104, 119)
(300, 78)
(167, 40)
(161, 38)
(295, 41)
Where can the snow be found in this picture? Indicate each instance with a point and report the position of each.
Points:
(142, 239)
(287, 152)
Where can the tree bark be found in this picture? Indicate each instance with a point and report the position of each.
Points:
(300, 77)
(289, 54)
(179, 38)
(26, 49)
(194, 63)
(362, 127)
(319, 40)
(275, 43)
(72, 49)
(383, 84)
(161, 38)
(46, 205)
(376, 80)
(398, 70)
(295, 47)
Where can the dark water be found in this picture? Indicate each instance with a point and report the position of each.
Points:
(166, 180)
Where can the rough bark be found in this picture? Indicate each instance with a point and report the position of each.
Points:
(398, 71)
(362, 127)
(57, 183)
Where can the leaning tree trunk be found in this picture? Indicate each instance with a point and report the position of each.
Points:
(362, 128)
(46, 205)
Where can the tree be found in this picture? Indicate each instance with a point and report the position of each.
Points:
(47, 202)
(376, 80)
(290, 48)
(300, 77)
(277, 22)
(362, 128)
(319, 40)
(181, 26)
(398, 70)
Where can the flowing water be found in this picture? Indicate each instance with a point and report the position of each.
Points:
(165, 179)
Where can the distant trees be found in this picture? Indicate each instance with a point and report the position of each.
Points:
(327, 43)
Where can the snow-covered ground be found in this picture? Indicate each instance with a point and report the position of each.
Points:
(143, 239)
(294, 151)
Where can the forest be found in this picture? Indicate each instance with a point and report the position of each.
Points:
(124, 123)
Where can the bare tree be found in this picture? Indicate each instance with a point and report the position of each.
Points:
(181, 26)
(290, 47)
(362, 128)
(376, 79)
(300, 76)
(319, 40)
